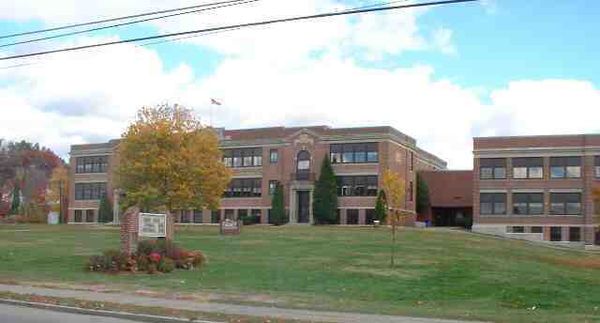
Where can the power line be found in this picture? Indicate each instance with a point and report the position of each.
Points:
(238, 2)
(115, 19)
(250, 24)
(379, 4)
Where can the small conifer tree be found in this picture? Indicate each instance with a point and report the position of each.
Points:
(325, 202)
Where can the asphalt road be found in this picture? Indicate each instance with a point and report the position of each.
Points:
(18, 314)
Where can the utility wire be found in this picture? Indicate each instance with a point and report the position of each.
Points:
(250, 24)
(115, 19)
(379, 4)
(239, 2)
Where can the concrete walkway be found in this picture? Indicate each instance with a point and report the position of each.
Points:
(230, 309)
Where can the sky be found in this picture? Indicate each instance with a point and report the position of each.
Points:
(442, 75)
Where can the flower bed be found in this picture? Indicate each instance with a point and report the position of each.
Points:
(152, 256)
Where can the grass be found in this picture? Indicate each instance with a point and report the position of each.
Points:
(439, 273)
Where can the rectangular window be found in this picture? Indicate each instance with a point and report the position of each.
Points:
(412, 161)
(354, 153)
(575, 234)
(347, 154)
(529, 167)
(228, 158)
(360, 153)
(257, 157)
(272, 187)
(273, 156)
(229, 214)
(78, 216)
(246, 157)
(565, 203)
(528, 203)
(565, 167)
(215, 216)
(411, 190)
(352, 216)
(369, 216)
(597, 166)
(555, 234)
(185, 217)
(515, 229)
(89, 216)
(90, 191)
(357, 185)
(197, 216)
(537, 230)
(492, 168)
(492, 203)
(91, 164)
(257, 214)
(242, 213)
(244, 187)
(372, 153)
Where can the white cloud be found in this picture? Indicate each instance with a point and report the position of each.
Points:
(81, 97)
(271, 76)
(553, 106)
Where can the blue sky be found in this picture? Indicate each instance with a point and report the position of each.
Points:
(532, 39)
(495, 64)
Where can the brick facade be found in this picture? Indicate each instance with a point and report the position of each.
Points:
(396, 151)
(580, 147)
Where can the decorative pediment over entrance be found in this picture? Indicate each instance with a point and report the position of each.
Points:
(304, 139)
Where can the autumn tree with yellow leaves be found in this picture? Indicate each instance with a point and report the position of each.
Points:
(167, 159)
(393, 186)
(58, 191)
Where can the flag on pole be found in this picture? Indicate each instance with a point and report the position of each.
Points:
(215, 102)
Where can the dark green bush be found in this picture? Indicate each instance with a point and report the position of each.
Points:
(249, 219)
(142, 262)
(146, 247)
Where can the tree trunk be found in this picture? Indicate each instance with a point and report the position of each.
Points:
(393, 240)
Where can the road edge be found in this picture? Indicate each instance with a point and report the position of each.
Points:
(105, 313)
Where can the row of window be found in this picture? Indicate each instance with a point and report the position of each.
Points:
(340, 153)
(83, 216)
(357, 185)
(90, 191)
(555, 232)
(92, 164)
(533, 167)
(246, 157)
(354, 153)
(196, 217)
(244, 187)
(530, 203)
(347, 186)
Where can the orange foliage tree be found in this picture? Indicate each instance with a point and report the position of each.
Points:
(393, 185)
(168, 159)
(58, 191)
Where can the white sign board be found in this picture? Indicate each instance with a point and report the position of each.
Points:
(152, 225)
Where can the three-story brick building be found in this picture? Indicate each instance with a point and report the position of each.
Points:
(263, 158)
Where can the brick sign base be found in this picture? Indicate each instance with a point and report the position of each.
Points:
(130, 229)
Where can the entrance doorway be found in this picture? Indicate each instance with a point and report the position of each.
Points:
(303, 211)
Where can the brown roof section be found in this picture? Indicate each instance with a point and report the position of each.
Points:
(282, 132)
(452, 188)
(536, 141)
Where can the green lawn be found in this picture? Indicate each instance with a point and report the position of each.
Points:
(440, 273)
